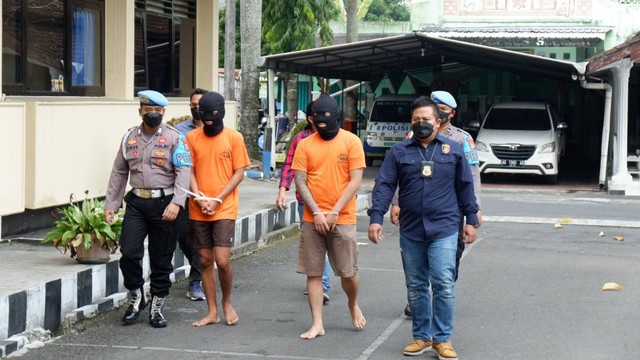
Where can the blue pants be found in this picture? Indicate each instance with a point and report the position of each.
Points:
(430, 262)
(182, 222)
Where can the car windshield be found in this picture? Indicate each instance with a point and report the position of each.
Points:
(517, 119)
(392, 111)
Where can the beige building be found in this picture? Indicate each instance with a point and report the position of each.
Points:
(70, 72)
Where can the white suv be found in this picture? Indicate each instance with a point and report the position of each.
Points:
(521, 138)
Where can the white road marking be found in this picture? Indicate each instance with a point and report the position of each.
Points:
(382, 338)
(543, 220)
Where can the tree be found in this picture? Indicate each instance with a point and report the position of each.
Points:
(350, 98)
(222, 34)
(351, 9)
(250, 23)
(388, 10)
(230, 51)
(291, 25)
(362, 8)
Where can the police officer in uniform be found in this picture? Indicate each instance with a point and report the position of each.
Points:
(447, 110)
(155, 158)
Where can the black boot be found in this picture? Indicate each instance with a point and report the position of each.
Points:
(156, 319)
(137, 303)
(407, 311)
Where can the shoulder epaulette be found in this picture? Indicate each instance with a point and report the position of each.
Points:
(124, 141)
(464, 132)
(170, 127)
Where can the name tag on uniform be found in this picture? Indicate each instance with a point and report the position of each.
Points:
(427, 169)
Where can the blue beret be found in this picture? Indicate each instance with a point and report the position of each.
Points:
(443, 97)
(153, 98)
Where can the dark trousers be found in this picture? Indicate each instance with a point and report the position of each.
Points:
(460, 250)
(189, 253)
(461, 244)
(143, 217)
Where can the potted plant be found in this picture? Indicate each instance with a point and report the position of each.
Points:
(83, 230)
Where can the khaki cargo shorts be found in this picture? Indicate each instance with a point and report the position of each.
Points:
(340, 244)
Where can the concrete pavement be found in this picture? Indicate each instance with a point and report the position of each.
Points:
(526, 292)
(41, 288)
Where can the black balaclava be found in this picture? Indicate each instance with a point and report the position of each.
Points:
(211, 107)
(325, 111)
(217, 126)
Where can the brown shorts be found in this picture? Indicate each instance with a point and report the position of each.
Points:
(340, 244)
(210, 234)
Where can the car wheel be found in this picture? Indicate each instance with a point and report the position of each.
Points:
(552, 179)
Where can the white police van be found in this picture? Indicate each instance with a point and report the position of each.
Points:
(388, 123)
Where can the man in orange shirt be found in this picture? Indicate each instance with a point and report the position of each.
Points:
(328, 168)
(219, 160)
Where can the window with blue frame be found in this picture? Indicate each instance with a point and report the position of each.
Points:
(53, 47)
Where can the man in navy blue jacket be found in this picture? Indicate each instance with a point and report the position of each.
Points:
(434, 184)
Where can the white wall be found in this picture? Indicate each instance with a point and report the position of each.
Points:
(623, 18)
(56, 146)
(12, 126)
(72, 144)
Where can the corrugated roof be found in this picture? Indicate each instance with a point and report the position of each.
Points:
(628, 49)
(410, 53)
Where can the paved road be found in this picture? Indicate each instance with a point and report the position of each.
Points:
(526, 291)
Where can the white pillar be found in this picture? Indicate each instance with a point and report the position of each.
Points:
(119, 49)
(621, 73)
(207, 44)
(272, 115)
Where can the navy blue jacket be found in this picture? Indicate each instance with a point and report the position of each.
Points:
(429, 207)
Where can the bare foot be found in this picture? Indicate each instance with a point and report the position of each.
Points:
(313, 332)
(230, 315)
(357, 318)
(209, 319)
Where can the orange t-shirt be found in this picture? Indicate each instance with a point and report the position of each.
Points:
(327, 164)
(214, 161)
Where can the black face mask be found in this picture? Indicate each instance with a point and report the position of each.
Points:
(444, 116)
(329, 131)
(217, 124)
(152, 119)
(195, 113)
(422, 130)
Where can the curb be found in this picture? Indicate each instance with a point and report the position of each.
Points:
(59, 305)
(116, 300)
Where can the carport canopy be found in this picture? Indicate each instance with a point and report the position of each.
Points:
(412, 53)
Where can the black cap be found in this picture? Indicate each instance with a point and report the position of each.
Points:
(325, 108)
(211, 101)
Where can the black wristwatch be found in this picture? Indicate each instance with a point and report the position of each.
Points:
(475, 226)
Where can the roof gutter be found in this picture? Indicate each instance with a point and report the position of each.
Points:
(606, 127)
